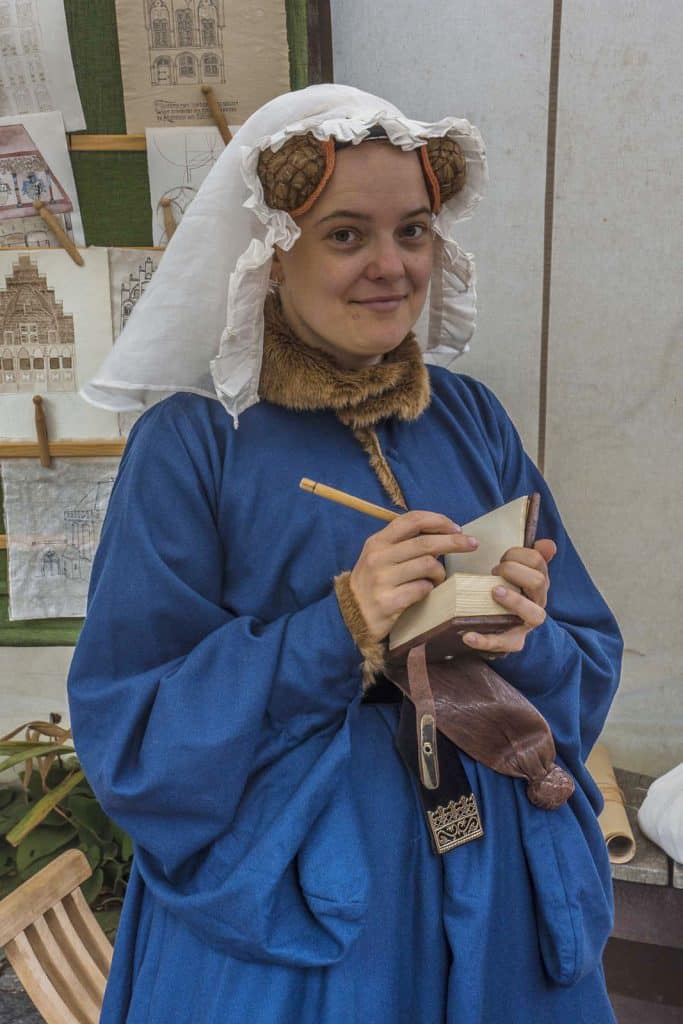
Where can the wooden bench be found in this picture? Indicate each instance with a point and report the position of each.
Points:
(644, 957)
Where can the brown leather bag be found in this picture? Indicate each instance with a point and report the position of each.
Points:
(456, 692)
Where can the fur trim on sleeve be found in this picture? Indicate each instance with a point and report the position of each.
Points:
(371, 649)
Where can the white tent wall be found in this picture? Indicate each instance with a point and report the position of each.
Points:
(614, 433)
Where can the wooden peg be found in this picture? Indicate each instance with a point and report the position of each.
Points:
(41, 432)
(58, 231)
(217, 114)
(169, 222)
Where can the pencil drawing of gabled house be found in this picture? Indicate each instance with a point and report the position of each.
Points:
(37, 346)
(83, 524)
(133, 289)
(185, 41)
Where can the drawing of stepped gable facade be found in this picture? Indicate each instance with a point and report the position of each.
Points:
(133, 289)
(185, 40)
(37, 349)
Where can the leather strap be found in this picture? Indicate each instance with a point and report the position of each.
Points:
(425, 716)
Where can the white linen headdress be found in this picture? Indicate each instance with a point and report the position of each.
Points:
(199, 325)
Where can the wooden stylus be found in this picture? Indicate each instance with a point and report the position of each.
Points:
(342, 498)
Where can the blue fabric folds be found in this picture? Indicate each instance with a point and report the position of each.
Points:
(282, 867)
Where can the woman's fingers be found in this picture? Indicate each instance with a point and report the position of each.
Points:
(535, 584)
(509, 642)
(434, 544)
(411, 524)
(531, 614)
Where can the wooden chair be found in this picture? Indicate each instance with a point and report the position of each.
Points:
(54, 943)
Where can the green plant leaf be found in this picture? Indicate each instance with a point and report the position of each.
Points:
(42, 842)
(86, 811)
(37, 750)
(42, 808)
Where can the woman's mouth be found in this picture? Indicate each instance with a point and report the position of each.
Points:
(382, 305)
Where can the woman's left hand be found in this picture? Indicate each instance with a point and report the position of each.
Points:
(527, 568)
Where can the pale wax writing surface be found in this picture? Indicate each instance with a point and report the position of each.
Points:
(169, 50)
(41, 140)
(53, 518)
(36, 70)
(55, 331)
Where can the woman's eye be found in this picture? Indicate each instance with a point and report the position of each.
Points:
(415, 231)
(343, 235)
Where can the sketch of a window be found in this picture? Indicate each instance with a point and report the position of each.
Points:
(184, 25)
(209, 31)
(210, 64)
(24, 361)
(161, 25)
(186, 65)
(162, 71)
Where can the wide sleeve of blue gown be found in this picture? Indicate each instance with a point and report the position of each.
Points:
(217, 741)
(569, 669)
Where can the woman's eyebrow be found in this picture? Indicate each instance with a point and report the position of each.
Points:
(355, 215)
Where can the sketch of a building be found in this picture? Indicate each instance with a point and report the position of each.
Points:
(37, 345)
(83, 524)
(25, 176)
(185, 41)
(133, 289)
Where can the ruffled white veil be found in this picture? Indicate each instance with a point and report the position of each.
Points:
(199, 325)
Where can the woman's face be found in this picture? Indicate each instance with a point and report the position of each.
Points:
(355, 281)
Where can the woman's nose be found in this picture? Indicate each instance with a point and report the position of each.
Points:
(386, 260)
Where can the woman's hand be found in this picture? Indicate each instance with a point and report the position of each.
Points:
(528, 569)
(398, 566)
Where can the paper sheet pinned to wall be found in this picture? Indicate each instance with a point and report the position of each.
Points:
(35, 164)
(53, 518)
(170, 49)
(55, 331)
(178, 160)
(36, 70)
(130, 272)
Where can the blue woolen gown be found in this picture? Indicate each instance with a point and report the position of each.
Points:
(283, 871)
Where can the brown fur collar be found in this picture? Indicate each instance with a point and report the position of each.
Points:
(303, 378)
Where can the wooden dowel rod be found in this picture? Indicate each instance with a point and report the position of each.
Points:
(342, 498)
(3, 541)
(135, 143)
(64, 449)
(217, 114)
(41, 432)
(169, 220)
(58, 231)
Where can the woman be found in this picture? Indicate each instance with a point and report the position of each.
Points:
(283, 869)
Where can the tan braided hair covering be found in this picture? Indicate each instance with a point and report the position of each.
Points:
(295, 175)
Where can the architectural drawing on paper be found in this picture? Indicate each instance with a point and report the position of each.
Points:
(133, 289)
(181, 160)
(25, 176)
(36, 71)
(82, 522)
(185, 41)
(37, 344)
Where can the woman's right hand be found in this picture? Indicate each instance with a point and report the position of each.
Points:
(398, 566)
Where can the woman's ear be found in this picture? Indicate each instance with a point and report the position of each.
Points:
(276, 272)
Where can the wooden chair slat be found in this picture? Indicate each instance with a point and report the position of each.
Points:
(37, 894)
(38, 986)
(77, 952)
(62, 973)
(85, 923)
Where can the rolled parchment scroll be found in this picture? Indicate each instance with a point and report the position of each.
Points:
(621, 845)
